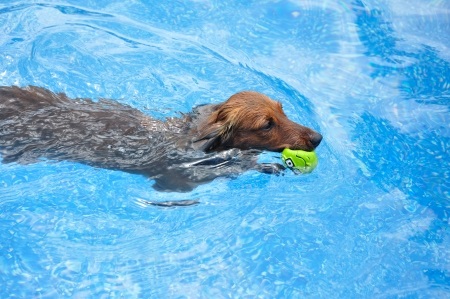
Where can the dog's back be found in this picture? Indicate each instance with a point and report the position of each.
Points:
(36, 123)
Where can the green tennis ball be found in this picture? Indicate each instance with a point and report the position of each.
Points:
(302, 161)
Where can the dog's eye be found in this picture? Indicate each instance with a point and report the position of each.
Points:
(268, 125)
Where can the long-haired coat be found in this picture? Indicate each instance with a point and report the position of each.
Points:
(178, 153)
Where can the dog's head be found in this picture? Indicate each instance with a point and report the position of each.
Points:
(250, 120)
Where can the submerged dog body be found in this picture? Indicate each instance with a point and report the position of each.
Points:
(178, 153)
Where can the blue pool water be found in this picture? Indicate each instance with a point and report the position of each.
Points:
(372, 221)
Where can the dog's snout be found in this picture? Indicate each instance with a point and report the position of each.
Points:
(316, 138)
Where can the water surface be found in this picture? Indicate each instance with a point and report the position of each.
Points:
(371, 221)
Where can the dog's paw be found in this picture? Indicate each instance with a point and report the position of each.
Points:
(172, 203)
(271, 168)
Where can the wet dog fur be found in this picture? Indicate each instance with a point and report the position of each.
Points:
(178, 153)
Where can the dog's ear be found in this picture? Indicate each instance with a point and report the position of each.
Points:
(210, 137)
(213, 133)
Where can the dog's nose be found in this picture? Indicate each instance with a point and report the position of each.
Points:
(316, 138)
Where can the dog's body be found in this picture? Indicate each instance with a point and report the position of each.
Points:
(179, 153)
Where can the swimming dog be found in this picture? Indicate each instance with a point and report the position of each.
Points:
(178, 153)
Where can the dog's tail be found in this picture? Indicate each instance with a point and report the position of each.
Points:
(20, 109)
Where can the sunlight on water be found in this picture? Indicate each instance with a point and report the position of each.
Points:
(370, 221)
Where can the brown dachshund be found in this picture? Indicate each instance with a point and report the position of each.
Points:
(178, 153)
